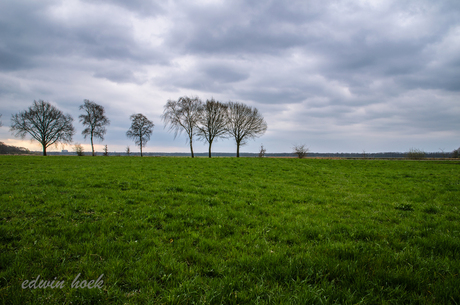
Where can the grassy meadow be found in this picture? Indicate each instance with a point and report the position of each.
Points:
(230, 231)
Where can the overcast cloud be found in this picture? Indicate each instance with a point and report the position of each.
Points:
(339, 76)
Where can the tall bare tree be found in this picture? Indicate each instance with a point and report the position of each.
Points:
(94, 120)
(244, 123)
(183, 115)
(140, 130)
(45, 123)
(213, 122)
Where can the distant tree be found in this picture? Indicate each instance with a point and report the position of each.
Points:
(300, 150)
(456, 153)
(95, 120)
(7, 149)
(45, 123)
(212, 122)
(79, 149)
(262, 151)
(1, 124)
(415, 154)
(183, 115)
(128, 150)
(244, 123)
(106, 151)
(443, 153)
(140, 130)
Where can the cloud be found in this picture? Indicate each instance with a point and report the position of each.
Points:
(117, 75)
(140, 7)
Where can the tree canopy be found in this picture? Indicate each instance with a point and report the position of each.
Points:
(244, 123)
(183, 115)
(45, 123)
(140, 130)
(212, 122)
(95, 121)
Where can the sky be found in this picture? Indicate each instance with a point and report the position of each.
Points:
(337, 76)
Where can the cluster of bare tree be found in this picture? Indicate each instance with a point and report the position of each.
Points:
(212, 120)
(208, 121)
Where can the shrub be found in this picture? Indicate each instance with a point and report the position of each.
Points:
(456, 153)
(415, 154)
(79, 150)
(262, 151)
(300, 150)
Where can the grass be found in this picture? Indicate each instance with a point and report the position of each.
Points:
(230, 231)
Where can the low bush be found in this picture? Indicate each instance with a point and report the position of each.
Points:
(415, 154)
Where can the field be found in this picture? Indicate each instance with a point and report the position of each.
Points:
(231, 231)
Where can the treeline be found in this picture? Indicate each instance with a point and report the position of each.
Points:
(380, 155)
(9, 149)
(207, 121)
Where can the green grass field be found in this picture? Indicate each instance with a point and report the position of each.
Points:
(231, 231)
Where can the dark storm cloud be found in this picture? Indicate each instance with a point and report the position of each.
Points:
(207, 75)
(232, 28)
(117, 75)
(224, 74)
(352, 39)
(30, 31)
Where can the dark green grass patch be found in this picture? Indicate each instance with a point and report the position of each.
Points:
(227, 230)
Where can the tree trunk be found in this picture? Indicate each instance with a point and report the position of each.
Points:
(92, 146)
(237, 150)
(210, 143)
(44, 149)
(141, 148)
(191, 148)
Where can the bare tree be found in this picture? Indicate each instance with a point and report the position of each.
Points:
(128, 150)
(106, 151)
(79, 149)
(262, 151)
(244, 123)
(443, 153)
(183, 115)
(140, 130)
(212, 122)
(301, 151)
(95, 120)
(45, 123)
